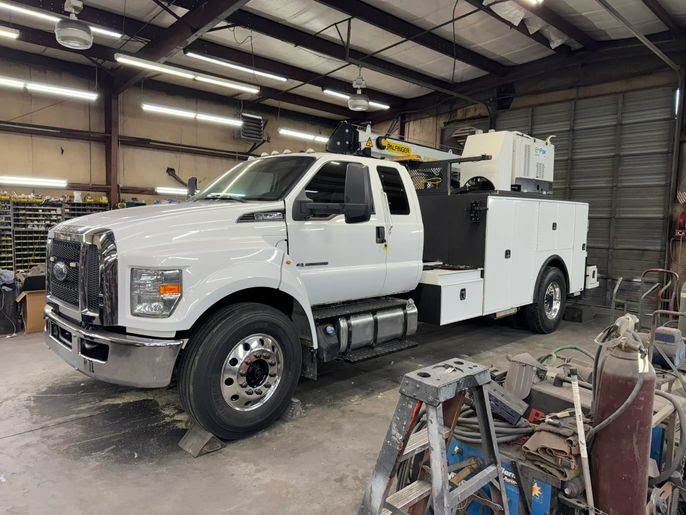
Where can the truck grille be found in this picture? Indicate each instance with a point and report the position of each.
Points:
(67, 290)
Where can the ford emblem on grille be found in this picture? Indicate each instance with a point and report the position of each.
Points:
(60, 271)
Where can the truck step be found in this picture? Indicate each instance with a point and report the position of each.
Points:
(378, 350)
(352, 308)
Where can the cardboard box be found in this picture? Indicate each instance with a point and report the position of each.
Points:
(34, 304)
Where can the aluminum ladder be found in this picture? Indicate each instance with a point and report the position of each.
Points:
(441, 390)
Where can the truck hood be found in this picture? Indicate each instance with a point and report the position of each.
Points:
(138, 227)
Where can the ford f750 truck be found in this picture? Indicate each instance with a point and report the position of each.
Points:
(289, 260)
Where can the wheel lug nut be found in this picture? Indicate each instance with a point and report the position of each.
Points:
(248, 392)
(272, 374)
(243, 385)
(267, 385)
(241, 373)
(272, 363)
(258, 392)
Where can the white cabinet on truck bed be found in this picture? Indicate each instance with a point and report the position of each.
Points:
(509, 238)
(521, 235)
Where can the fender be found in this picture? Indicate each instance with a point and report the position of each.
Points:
(205, 285)
(558, 262)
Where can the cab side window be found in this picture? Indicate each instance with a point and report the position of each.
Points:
(394, 189)
(328, 185)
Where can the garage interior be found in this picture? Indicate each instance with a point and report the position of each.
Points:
(164, 96)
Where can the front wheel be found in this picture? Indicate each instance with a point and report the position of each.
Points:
(240, 370)
(550, 299)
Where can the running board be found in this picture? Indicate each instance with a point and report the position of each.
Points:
(378, 350)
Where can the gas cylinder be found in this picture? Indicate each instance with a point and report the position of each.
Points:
(620, 452)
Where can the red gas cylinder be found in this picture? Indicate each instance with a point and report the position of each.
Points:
(620, 452)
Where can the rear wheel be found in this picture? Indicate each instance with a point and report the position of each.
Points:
(550, 299)
(240, 369)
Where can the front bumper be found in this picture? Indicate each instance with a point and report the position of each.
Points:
(112, 357)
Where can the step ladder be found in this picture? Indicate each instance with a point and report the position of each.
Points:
(440, 389)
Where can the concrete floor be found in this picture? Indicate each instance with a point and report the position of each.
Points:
(69, 444)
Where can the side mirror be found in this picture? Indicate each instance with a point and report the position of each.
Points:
(357, 205)
(192, 186)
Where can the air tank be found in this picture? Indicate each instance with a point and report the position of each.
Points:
(620, 453)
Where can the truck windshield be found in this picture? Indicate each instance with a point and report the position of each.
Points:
(260, 179)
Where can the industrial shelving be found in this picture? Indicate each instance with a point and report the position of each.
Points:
(31, 221)
(24, 225)
(6, 246)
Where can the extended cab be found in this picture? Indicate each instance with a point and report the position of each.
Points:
(289, 260)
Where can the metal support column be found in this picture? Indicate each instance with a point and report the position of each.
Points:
(112, 145)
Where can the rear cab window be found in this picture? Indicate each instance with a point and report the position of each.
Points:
(393, 187)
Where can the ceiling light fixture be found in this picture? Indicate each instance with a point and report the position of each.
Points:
(185, 74)
(164, 190)
(237, 67)
(32, 181)
(49, 89)
(302, 135)
(192, 115)
(6, 32)
(147, 65)
(41, 15)
(254, 90)
(377, 105)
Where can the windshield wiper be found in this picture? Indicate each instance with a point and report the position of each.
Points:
(225, 196)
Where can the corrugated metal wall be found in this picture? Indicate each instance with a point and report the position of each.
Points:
(613, 152)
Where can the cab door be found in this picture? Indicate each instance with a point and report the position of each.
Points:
(338, 261)
(404, 231)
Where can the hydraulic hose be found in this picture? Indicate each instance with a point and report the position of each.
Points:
(627, 402)
(681, 450)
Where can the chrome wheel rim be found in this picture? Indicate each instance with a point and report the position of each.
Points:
(553, 300)
(252, 372)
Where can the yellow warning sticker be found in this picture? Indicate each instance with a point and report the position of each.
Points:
(397, 148)
(369, 144)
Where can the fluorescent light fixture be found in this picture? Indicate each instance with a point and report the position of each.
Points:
(38, 87)
(32, 181)
(228, 84)
(61, 92)
(148, 65)
(42, 15)
(336, 94)
(7, 32)
(7, 82)
(185, 74)
(163, 190)
(105, 32)
(237, 67)
(303, 135)
(192, 115)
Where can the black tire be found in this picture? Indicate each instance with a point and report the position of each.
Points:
(207, 351)
(535, 314)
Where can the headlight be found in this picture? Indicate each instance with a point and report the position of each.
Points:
(154, 293)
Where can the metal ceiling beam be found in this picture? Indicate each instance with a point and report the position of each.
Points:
(289, 71)
(180, 34)
(641, 37)
(521, 28)
(555, 20)
(327, 47)
(608, 52)
(399, 27)
(89, 73)
(146, 31)
(661, 13)
(46, 39)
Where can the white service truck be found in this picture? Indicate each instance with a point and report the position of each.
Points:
(289, 260)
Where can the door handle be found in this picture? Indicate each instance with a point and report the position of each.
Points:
(380, 234)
